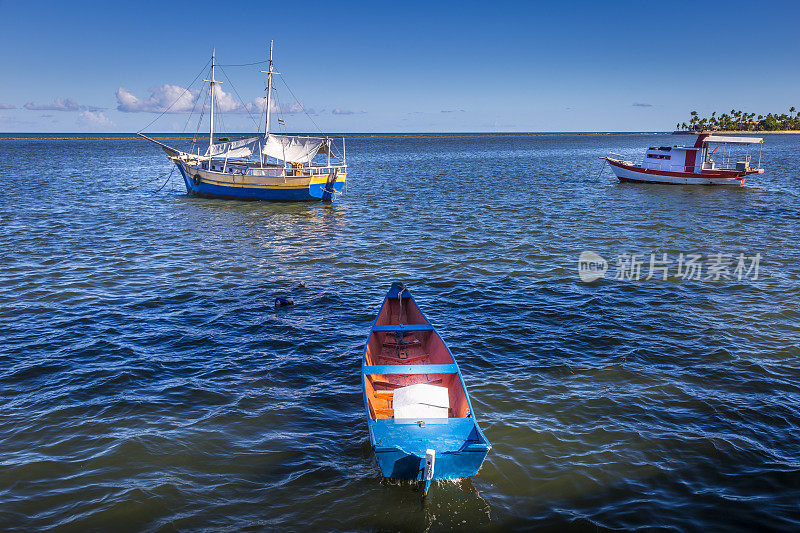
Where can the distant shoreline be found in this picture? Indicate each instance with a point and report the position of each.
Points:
(168, 136)
(739, 132)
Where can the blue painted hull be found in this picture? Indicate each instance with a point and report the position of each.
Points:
(314, 192)
(400, 447)
(400, 465)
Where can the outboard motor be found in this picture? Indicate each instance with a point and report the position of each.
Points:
(427, 476)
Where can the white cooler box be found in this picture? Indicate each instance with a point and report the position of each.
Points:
(421, 401)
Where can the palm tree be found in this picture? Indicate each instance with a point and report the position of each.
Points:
(791, 109)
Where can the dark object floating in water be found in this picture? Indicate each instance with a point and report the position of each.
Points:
(283, 302)
(420, 420)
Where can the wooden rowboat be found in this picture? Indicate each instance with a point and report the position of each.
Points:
(421, 423)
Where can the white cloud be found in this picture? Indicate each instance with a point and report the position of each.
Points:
(258, 105)
(161, 100)
(292, 109)
(7, 106)
(67, 104)
(341, 111)
(94, 119)
(226, 103)
(167, 98)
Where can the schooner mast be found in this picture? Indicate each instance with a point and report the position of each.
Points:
(212, 81)
(269, 74)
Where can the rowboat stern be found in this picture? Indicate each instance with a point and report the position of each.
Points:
(401, 447)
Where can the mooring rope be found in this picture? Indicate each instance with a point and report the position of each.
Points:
(602, 167)
(148, 182)
(168, 178)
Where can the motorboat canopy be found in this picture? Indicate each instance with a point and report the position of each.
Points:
(733, 139)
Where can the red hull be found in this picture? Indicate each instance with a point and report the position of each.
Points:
(637, 174)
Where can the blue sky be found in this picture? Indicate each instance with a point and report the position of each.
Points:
(402, 66)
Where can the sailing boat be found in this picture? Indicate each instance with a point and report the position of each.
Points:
(268, 167)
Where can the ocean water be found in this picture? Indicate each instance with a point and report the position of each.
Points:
(147, 382)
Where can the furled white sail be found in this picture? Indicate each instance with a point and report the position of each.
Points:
(283, 147)
(240, 148)
(294, 149)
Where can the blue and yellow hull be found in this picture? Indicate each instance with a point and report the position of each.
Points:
(282, 189)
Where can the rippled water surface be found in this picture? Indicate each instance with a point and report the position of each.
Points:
(148, 383)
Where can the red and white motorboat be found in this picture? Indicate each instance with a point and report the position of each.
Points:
(701, 164)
